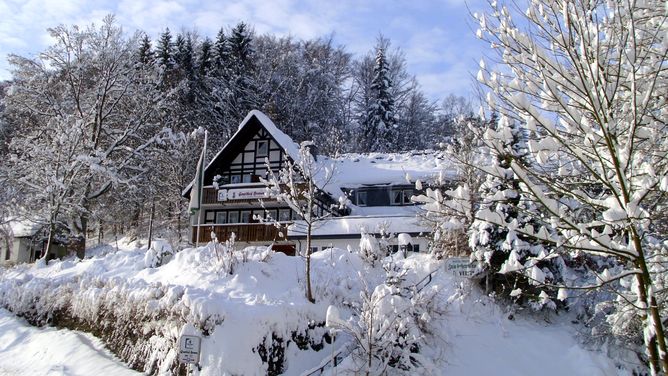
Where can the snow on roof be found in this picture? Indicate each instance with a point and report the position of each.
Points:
(24, 228)
(290, 147)
(355, 170)
(358, 170)
(353, 225)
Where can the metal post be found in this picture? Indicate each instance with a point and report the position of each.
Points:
(198, 227)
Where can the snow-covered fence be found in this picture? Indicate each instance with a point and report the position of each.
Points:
(329, 362)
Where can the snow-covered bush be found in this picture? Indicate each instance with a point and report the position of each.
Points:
(388, 326)
(159, 254)
(369, 249)
(448, 213)
(226, 259)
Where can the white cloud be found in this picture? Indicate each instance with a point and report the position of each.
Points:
(457, 79)
(438, 48)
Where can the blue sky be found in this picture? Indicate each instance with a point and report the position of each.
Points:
(436, 36)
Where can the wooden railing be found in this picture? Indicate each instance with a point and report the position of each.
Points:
(250, 232)
(209, 196)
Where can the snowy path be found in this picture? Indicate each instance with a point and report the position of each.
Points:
(482, 341)
(26, 350)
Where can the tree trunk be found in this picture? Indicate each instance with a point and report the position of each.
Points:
(150, 223)
(49, 240)
(177, 214)
(100, 231)
(309, 293)
(134, 223)
(656, 345)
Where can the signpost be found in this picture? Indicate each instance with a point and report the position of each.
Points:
(189, 349)
(460, 266)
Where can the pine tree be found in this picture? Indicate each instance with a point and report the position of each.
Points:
(379, 126)
(184, 56)
(221, 54)
(145, 53)
(502, 249)
(242, 91)
(165, 50)
(204, 58)
(241, 50)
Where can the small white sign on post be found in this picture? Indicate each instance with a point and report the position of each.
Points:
(189, 348)
(460, 266)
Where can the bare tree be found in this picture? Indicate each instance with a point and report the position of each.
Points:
(88, 114)
(300, 185)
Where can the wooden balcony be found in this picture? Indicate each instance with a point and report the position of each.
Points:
(249, 232)
(210, 196)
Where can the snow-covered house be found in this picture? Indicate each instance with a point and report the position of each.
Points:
(23, 241)
(377, 188)
(18, 242)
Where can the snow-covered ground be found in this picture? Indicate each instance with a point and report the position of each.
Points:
(27, 350)
(233, 313)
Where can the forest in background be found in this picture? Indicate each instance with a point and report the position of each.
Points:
(103, 128)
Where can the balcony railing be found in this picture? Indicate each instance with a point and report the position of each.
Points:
(248, 232)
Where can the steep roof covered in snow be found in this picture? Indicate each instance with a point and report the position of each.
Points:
(350, 170)
(248, 127)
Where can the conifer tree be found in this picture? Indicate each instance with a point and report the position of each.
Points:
(165, 50)
(500, 248)
(379, 126)
(184, 56)
(221, 53)
(145, 53)
(242, 90)
(204, 58)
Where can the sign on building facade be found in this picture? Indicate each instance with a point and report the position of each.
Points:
(242, 194)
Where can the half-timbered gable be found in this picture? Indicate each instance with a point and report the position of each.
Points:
(244, 159)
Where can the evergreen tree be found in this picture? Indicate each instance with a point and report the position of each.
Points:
(505, 249)
(165, 50)
(242, 90)
(379, 126)
(145, 53)
(184, 56)
(221, 54)
(378, 121)
(241, 49)
(204, 58)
